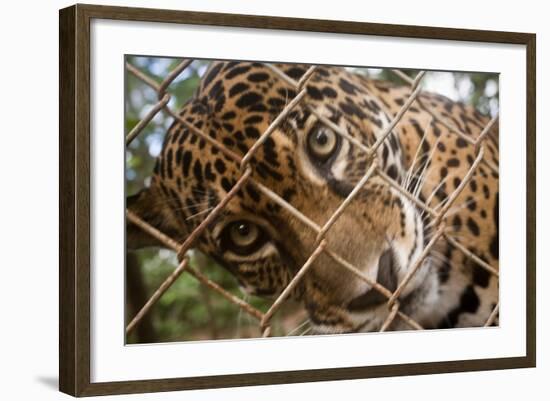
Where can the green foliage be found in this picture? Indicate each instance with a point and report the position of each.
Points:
(188, 309)
(140, 98)
(479, 89)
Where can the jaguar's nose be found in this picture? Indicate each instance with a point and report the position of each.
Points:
(385, 277)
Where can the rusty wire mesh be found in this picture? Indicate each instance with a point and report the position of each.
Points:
(321, 231)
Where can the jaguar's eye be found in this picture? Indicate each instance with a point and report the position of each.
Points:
(322, 143)
(244, 233)
(243, 237)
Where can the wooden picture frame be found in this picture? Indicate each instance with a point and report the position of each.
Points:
(74, 204)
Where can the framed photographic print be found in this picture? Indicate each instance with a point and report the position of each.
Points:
(252, 200)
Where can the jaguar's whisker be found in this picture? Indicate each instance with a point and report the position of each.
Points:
(306, 331)
(424, 136)
(199, 213)
(298, 328)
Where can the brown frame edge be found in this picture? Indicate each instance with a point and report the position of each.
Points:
(74, 199)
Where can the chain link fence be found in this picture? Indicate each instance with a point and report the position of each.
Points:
(264, 319)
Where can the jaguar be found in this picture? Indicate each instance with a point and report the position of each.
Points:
(308, 163)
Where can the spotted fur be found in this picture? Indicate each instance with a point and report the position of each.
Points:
(381, 232)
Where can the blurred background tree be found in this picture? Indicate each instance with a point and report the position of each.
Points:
(188, 310)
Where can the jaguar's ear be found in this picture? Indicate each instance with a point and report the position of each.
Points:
(147, 205)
